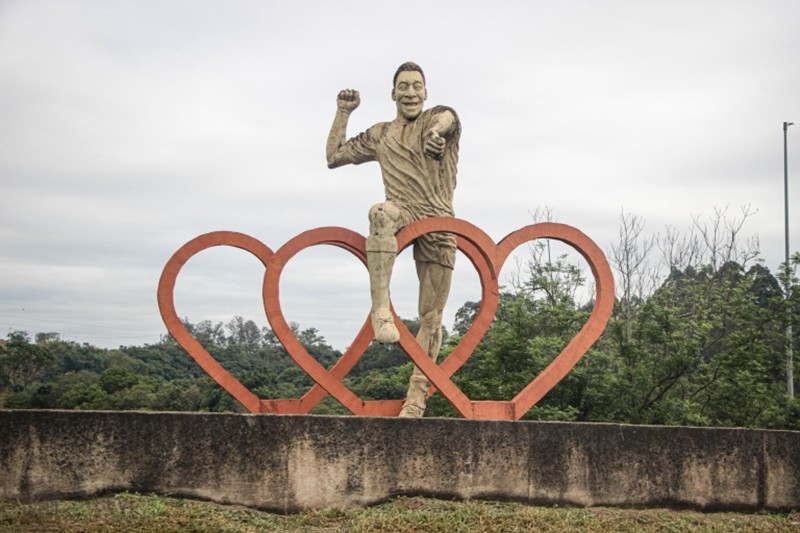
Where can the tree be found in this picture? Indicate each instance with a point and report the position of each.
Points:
(670, 354)
(22, 362)
(45, 338)
(117, 378)
(245, 333)
(634, 276)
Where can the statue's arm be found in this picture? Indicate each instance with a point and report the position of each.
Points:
(443, 124)
(347, 101)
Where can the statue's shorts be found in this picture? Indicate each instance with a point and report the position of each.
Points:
(438, 247)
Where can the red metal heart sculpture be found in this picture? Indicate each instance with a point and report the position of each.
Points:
(569, 356)
(166, 304)
(486, 257)
(274, 263)
(330, 380)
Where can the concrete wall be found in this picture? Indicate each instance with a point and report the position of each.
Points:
(288, 463)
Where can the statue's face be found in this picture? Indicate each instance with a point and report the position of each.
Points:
(409, 93)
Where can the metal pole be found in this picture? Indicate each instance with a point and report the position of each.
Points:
(789, 354)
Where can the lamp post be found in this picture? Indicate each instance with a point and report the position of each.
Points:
(789, 354)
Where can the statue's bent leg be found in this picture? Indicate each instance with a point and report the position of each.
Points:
(384, 222)
(434, 287)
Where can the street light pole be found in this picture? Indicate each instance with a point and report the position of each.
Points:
(789, 354)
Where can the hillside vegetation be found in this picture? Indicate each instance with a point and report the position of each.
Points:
(697, 338)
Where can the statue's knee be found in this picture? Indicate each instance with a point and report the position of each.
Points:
(383, 219)
(376, 211)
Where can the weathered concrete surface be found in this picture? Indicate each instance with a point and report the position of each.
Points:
(288, 463)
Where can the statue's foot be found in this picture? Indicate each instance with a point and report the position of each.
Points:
(412, 410)
(416, 397)
(383, 325)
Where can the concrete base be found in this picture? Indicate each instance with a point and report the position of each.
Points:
(290, 463)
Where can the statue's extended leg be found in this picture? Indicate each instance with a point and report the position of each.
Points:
(381, 253)
(434, 287)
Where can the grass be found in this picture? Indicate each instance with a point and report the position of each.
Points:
(128, 512)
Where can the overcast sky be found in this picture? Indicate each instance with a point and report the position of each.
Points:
(128, 128)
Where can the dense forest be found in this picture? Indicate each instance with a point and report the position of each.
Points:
(698, 337)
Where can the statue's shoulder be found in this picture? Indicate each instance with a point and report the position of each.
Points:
(378, 130)
(435, 110)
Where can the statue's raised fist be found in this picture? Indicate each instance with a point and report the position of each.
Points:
(348, 99)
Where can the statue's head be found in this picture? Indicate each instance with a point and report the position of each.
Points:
(408, 90)
(408, 66)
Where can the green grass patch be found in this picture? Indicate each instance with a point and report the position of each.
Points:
(127, 512)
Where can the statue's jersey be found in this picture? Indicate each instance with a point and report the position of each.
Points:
(419, 185)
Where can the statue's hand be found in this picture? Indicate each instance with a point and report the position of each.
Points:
(434, 144)
(348, 100)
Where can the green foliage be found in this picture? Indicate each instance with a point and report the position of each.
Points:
(704, 349)
(22, 362)
(56, 374)
(704, 345)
